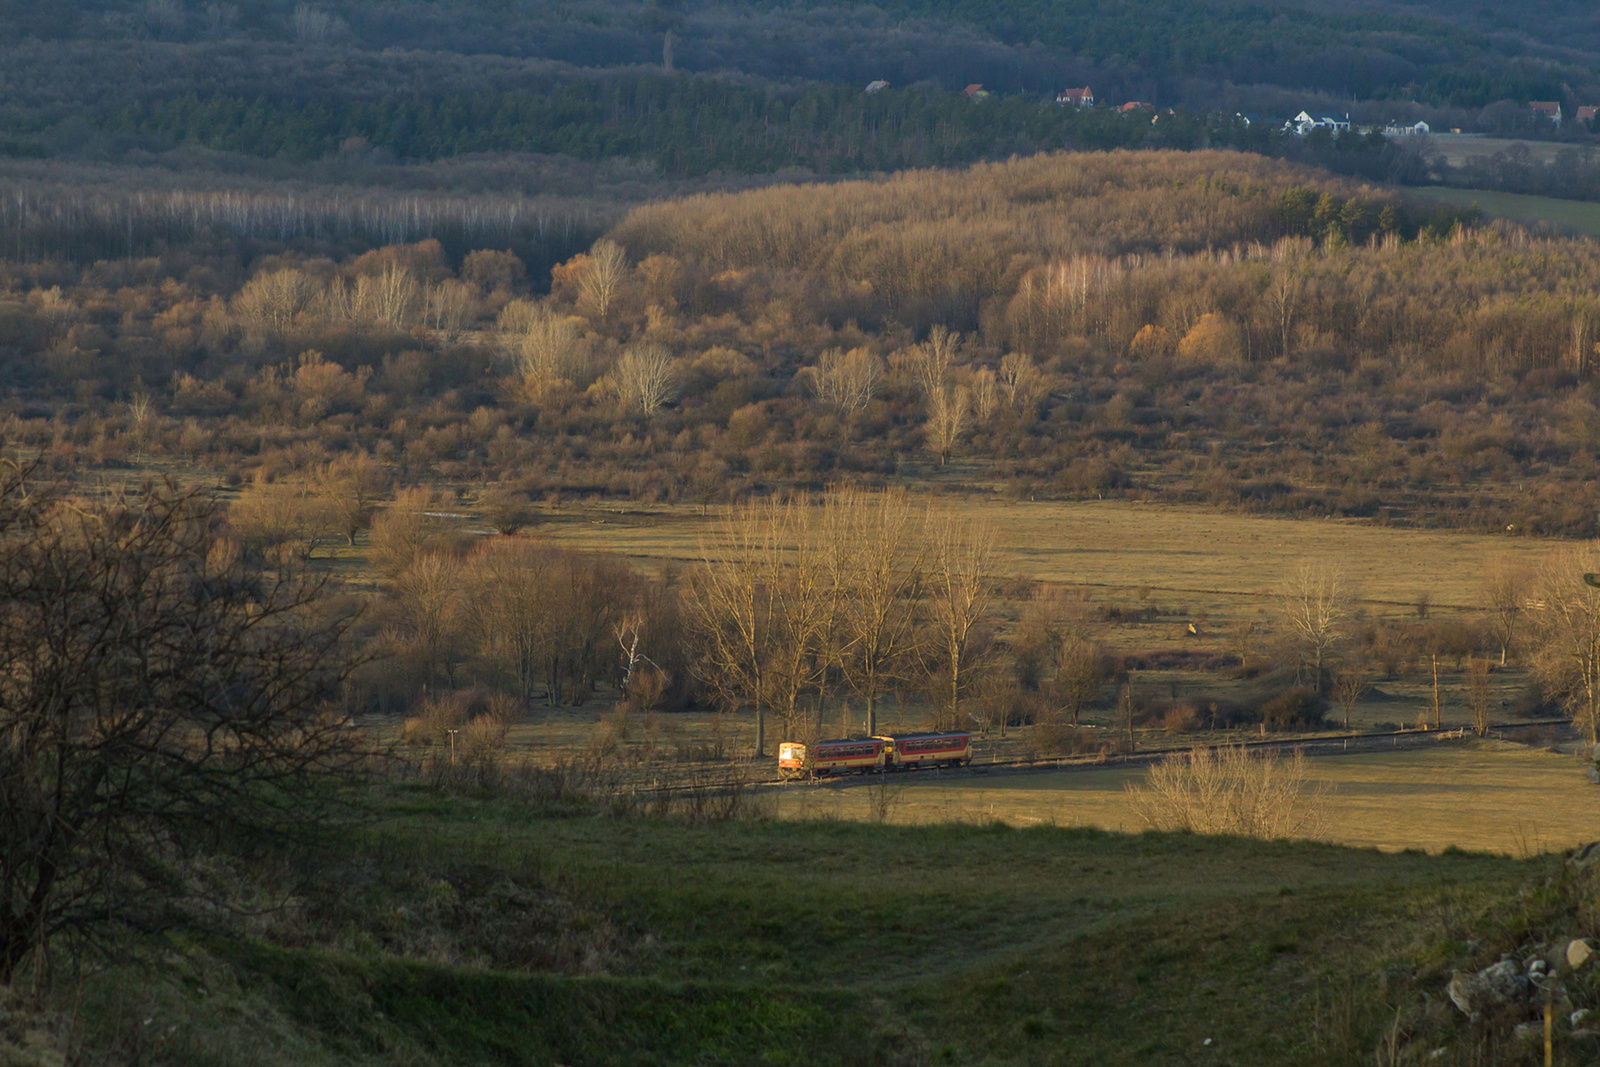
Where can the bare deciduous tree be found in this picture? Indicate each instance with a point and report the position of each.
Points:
(1506, 584)
(932, 360)
(1348, 686)
(879, 563)
(959, 584)
(159, 702)
(389, 298)
(646, 378)
(1565, 618)
(271, 302)
(450, 306)
(311, 25)
(403, 531)
(604, 274)
(513, 610)
(351, 486)
(947, 417)
(1019, 380)
(546, 349)
(1478, 670)
(800, 636)
(284, 520)
(985, 395)
(730, 613)
(1313, 605)
(1080, 672)
(432, 602)
(506, 510)
(845, 381)
(1283, 300)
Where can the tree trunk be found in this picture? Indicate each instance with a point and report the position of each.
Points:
(1436, 690)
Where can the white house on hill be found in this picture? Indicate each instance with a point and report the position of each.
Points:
(1305, 122)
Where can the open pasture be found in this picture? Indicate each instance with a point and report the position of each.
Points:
(1576, 216)
(1207, 558)
(1478, 796)
(1457, 148)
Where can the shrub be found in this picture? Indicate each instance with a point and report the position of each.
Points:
(1300, 706)
(1228, 790)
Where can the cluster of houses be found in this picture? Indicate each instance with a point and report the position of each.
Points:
(1301, 125)
(1550, 111)
(1080, 97)
(1305, 123)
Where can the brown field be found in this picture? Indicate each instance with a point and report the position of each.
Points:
(1194, 565)
(1478, 796)
(1457, 148)
(1118, 547)
(1191, 565)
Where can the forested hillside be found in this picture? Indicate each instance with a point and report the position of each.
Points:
(687, 126)
(693, 88)
(1188, 326)
(1439, 54)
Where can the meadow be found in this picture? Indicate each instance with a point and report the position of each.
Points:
(1458, 148)
(1488, 796)
(830, 941)
(1570, 216)
(1116, 547)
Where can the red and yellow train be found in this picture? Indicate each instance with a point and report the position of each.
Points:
(858, 755)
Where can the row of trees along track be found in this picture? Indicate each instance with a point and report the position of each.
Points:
(795, 605)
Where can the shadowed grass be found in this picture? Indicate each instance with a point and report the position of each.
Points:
(836, 942)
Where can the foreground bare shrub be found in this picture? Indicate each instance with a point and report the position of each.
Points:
(165, 707)
(1229, 790)
(460, 737)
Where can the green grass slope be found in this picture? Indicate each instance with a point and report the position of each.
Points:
(1570, 216)
(844, 943)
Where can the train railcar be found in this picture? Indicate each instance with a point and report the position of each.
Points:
(948, 749)
(845, 755)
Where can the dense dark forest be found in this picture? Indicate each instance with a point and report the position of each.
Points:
(687, 126)
(1438, 54)
(688, 90)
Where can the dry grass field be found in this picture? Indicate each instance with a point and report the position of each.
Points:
(1191, 565)
(1183, 565)
(1457, 148)
(1194, 566)
(1119, 547)
(1478, 796)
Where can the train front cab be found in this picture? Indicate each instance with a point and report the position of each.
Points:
(791, 760)
(850, 755)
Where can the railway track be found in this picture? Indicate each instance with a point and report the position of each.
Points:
(1333, 744)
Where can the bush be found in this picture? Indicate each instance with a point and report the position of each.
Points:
(1300, 706)
(1228, 790)
(1063, 739)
